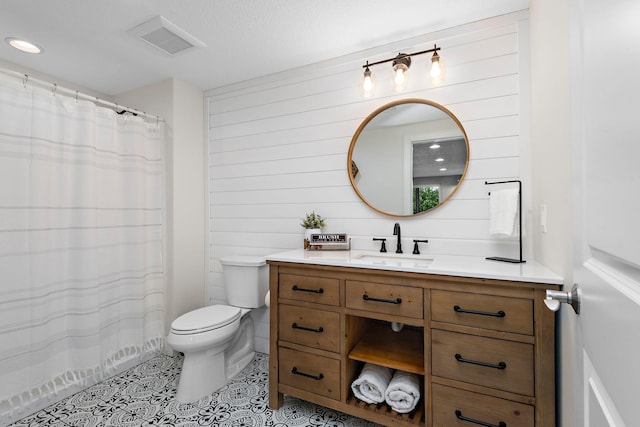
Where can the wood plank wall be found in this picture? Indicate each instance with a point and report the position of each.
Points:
(278, 147)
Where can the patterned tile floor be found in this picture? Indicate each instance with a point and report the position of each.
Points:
(145, 396)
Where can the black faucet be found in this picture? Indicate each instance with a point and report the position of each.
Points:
(396, 232)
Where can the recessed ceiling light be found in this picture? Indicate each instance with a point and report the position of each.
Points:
(443, 169)
(434, 146)
(23, 45)
(439, 159)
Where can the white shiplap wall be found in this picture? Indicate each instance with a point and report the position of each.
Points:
(278, 148)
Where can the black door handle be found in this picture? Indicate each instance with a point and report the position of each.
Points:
(500, 365)
(315, 291)
(457, 309)
(480, 423)
(313, 377)
(388, 301)
(304, 328)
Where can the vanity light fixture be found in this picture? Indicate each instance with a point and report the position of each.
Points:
(23, 45)
(401, 64)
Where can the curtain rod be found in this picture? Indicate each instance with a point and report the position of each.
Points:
(55, 89)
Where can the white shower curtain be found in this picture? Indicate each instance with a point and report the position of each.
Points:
(81, 241)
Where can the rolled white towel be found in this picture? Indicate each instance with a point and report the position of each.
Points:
(372, 383)
(403, 392)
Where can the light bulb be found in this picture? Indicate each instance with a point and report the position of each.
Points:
(400, 67)
(399, 76)
(367, 84)
(435, 69)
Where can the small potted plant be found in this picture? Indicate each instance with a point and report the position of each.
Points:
(312, 224)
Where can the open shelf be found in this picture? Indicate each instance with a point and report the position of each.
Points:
(402, 350)
(415, 417)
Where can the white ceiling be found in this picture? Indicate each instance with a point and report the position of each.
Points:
(86, 41)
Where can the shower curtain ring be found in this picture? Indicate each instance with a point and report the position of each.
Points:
(26, 79)
(55, 89)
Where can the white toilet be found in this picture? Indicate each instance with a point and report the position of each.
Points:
(218, 340)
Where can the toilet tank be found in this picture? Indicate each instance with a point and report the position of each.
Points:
(246, 280)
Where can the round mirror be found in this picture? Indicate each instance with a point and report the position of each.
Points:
(408, 157)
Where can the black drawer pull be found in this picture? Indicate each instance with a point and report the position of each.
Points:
(480, 423)
(500, 365)
(388, 301)
(315, 291)
(304, 328)
(318, 377)
(457, 309)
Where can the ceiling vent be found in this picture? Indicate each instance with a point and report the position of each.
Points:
(166, 36)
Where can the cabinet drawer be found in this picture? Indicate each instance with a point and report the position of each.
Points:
(313, 328)
(389, 299)
(478, 360)
(459, 408)
(309, 372)
(319, 290)
(483, 311)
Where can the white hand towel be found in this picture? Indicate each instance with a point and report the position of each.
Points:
(503, 213)
(403, 392)
(372, 383)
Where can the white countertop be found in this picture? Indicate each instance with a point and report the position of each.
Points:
(449, 265)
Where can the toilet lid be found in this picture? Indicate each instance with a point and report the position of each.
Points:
(243, 260)
(205, 319)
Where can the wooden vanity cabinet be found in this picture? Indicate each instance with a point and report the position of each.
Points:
(482, 348)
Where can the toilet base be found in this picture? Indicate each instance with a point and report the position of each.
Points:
(204, 372)
(241, 351)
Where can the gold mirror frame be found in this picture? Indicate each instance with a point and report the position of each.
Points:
(353, 170)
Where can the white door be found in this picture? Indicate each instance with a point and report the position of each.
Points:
(605, 68)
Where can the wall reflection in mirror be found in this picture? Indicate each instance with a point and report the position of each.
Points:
(408, 157)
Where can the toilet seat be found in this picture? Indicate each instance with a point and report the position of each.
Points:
(205, 319)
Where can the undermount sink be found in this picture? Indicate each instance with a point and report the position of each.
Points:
(372, 258)
(393, 259)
